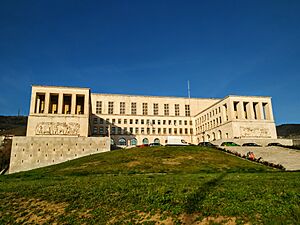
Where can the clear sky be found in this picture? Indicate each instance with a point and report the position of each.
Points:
(152, 48)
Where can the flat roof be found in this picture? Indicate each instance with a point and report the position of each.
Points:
(48, 86)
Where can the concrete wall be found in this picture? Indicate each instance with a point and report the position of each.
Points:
(35, 152)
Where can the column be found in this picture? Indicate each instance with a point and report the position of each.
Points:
(86, 106)
(38, 102)
(230, 110)
(32, 102)
(47, 101)
(250, 111)
(60, 103)
(240, 111)
(270, 111)
(259, 111)
(73, 104)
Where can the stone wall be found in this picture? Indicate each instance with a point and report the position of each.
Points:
(35, 152)
(259, 141)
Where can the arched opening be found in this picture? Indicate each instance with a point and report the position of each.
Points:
(145, 141)
(122, 141)
(112, 142)
(220, 134)
(156, 140)
(133, 141)
(207, 137)
(213, 136)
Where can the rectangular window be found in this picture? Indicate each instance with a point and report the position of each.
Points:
(158, 122)
(136, 121)
(98, 107)
(142, 130)
(136, 130)
(101, 121)
(125, 121)
(122, 107)
(176, 109)
(95, 130)
(119, 121)
(95, 120)
(148, 130)
(131, 130)
(155, 109)
(164, 130)
(185, 122)
(131, 121)
(186, 131)
(153, 122)
(145, 108)
(101, 130)
(113, 130)
(67, 101)
(175, 130)
(164, 122)
(166, 109)
(187, 110)
(110, 107)
(133, 108)
(113, 121)
(79, 104)
(142, 121)
(153, 130)
(53, 104)
(158, 130)
(180, 122)
(170, 130)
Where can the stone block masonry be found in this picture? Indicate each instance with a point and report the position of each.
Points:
(34, 152)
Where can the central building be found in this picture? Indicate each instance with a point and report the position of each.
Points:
(131, 120)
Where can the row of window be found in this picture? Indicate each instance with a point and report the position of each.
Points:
(209, 125)
(132, 141)
(103, 130)
(145, 111)
(142, 121)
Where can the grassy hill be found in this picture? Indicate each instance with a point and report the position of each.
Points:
(288, 130)
(164, 185)
(13, 125)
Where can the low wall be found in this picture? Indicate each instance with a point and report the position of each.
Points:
(262, 142)
(34, 152)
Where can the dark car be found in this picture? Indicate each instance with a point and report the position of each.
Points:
(229, 143)
(275, 144)
(251, 145)
(206, 144)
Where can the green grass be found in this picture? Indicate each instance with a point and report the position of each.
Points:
(149, 185)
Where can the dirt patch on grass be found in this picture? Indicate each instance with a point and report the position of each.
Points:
(138, 217)
(177, 160)
(133, 163)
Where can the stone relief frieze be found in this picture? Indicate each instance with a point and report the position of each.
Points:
(57, 128)
(255, 132)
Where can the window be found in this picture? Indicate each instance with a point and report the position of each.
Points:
(136, 130)
(145, 141)
(113, 121)
(95, 120)
(187, 110)
(142, 130)
(133, 141)
(166, 109)
(153, 130)
(101, 121)
(119, 121)
(185, 122)
(176, 109)
(110, 107)
(122, 107)
(95, 130)
(101, 130)
(153, 122)
(136, 121)
(122, 141)
(155, 109)
(125, 121)
(131, 130)
(145, 108)
(142, 121)
(98, 107)
(148, 130)
(170, 130)
(164, 122)
(131, 121)
(158, 122)
(180, 122)
(133, 108)
(165, 130)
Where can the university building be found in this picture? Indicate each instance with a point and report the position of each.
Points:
(131, 120)
(65, 123)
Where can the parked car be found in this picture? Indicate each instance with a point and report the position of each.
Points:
(275, 144)
(229, 143)
(154, 144)
(251, 145)
(206, 144)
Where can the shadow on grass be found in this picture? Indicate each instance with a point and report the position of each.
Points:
(195, 200)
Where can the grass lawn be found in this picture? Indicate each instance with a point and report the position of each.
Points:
(161, 185)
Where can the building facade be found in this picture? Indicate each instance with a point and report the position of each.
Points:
(131, 120)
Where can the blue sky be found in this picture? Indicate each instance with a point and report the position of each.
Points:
(153, 48)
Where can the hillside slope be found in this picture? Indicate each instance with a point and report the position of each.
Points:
(164, 185)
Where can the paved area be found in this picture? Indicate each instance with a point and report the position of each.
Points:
(289, 158)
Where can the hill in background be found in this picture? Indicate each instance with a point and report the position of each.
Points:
(288, 130)
(13, 125)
